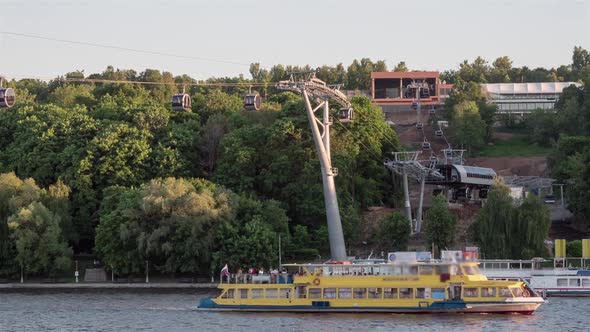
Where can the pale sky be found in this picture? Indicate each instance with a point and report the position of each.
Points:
(427, 34)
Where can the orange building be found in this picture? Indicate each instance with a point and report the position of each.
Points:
(397, 90)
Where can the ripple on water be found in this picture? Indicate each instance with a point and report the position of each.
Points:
(123, 311)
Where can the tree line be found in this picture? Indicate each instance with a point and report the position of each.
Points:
(110, 169)
(185, 190)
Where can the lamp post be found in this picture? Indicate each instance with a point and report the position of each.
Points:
(76, 273)
(147, 278)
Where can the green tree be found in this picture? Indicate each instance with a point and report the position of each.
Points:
(504, 230)
(574, 248)
(401, 66)
(492, 224)
(467, 128)
(531, 223)
(40, 245)
(394, 233)
(440, 224)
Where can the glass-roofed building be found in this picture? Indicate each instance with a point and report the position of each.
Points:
(521, 98)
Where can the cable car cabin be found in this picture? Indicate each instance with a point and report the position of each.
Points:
(419, 125)
(7, 97)
(432, 111)
(425, 93)
(461, 176)
(426, 145)
(181, 102)
(414, 104)
(345, 115)
(438, 133)
(252, 102)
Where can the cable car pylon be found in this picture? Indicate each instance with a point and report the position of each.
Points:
(317, 92)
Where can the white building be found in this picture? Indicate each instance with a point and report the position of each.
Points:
(521, 98)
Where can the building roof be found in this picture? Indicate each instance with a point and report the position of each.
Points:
(475, 170)
(405, 74)
(526, 88)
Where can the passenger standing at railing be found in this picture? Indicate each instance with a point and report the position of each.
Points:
(239, 277)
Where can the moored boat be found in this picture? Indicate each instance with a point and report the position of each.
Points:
(392, 287)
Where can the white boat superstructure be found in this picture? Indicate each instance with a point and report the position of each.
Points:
(561, 279)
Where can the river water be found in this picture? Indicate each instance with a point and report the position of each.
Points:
(152, 311)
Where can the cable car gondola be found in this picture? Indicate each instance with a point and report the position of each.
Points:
(345, 115)
(426, 145)
(181, 101)
(438, 133)
(432, 111)
(419, 125)
(252, 102)
(424, 93)
(7, 97)
(414, 104)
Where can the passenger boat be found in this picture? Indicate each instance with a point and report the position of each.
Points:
(561, 276)
(390, 287)
(547, 281)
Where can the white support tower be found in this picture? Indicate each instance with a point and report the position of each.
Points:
(407, 164)
(316, 92)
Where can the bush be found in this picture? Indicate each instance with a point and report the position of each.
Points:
(394, 233)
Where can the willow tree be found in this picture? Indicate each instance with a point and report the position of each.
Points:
(492, 225)
(504, 230)
(440, 224)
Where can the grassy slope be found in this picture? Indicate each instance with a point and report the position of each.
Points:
(513, 147)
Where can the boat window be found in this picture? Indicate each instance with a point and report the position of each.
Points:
(271, 293)
(315, 293)
(345, 293)
(488, 292)
(561, 282)
(284, 292)
(256, 293)
(374, 293)
(585, 282)
(438, 293)
(302, 292)
(390, 293)
(243, 293)
(469, 292)
(229, 294)
(329, 293)
(575, 282)
(420, 293)
(360, 293)
(517, 291)
(406, 293)
(426, 270)
(504, 292)
(441, 269)
(413, 270)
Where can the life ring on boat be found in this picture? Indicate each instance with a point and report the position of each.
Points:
(316, 281)
(526, 293)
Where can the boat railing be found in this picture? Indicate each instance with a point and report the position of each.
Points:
(246, 278)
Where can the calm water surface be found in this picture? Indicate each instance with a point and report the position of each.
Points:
(146, 311)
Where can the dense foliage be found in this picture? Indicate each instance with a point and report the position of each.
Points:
(113, 153)
(506, 229)
(439, 224)
(394, 233)
(111, 170)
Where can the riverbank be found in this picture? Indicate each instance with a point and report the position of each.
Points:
(105, 285)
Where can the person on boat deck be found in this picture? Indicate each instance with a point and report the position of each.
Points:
(239, 275)
(251, 271)
(261, 271)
